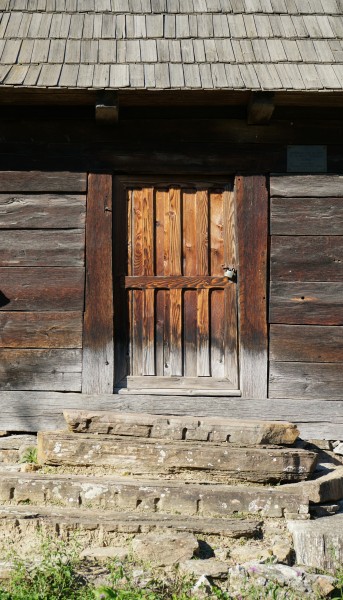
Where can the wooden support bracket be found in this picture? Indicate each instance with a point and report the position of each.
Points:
(260, 108)
(107, 107)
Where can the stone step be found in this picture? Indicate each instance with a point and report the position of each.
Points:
(319, 543)
(102, 527)
(219, 462)
(241, 432)
(327, 486)
(13, 447)
(152, 496)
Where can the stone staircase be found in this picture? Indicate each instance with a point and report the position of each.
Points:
(112, 474)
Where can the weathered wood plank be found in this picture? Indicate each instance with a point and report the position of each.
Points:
(176, 282)
(58, 370)
(32, 411)
(307, 343)
(312, 186)
(137, 332)
(306, 216)
(41, 330)
(98, 367)
(175, 297)
(307, 303)
(252, 230)
(191, 383)
(37, 288)
(189, 270)
(46, 211)
(148, 245)
(203, 337)
(42, 181)
(230, 294)
(306, 258)
(149, 333)
(305, 380)
(42, 248)
(159, 270)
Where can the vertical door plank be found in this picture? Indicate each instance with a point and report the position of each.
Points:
(98, 364)
(130, 194)
(230, 294)
(190, 296)
(252, 237)
(217, 314)
(137, 295)
(203, 339)
(159, 267)
(203, 322)
(148, 325)
(137, 331)
(175, 296)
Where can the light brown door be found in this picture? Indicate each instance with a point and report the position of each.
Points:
(181, 308)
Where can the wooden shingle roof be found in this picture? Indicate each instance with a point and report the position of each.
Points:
(172, 44)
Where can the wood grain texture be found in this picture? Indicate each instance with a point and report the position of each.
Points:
(252, 230)
(307, 303)
(175, 282)
(312, 186)
(46, 211)
(306, 216)
(98, 368)
(306, 380)
(32, 411)
(51, 370)
(307, 343)
(191, 383)
(38, 288)
(306, 258)
(42, 181)
(41, 329)
(42, 248)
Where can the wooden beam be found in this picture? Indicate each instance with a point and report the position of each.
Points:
(107, 107)
(97, 372)
(252, 236)
(260, 108)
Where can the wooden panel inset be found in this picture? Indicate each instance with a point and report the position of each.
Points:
(42, 181)
(305, 380)
(312, 186)
(306, 343)
(307, 303)
(50, 370)
(306, 258)
(98, 370)
(42, 248)
(46, 211)
(38, 288)
(306, 216)
(175, 332)
(40, 330)
(252, 232)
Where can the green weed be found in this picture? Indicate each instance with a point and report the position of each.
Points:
(29, 456)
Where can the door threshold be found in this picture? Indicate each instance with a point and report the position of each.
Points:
(177, 392)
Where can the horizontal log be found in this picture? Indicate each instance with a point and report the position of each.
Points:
(192, 383)
(306, 343)
(58, 370)
(46, 211)
(42, 248)
(306, 216)
(42, 181)
(39, 288)
(306, 380)
(307, 303)
(200, 459)
(306, 258)
(180, 282)
(306, 186)
(41, 329)
(33, 411)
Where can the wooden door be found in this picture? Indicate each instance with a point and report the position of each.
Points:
(180, 308)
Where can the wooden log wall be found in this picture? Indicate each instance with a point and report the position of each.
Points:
(306, 308)
(42, 222)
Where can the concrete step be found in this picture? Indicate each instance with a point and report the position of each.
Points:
(149, 496)
(148, 457)
(241, 432)
(98, 527)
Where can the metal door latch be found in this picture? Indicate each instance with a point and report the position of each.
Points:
(230, 273)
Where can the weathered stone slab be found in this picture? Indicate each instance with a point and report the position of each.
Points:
(164, 549)
(128, 456)
(325, 488)
(12, 447)
(124, 522)
(205, 429)
(211, 567)
(319, 543)
(149, 496)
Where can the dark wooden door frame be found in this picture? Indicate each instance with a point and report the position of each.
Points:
(252, 243)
